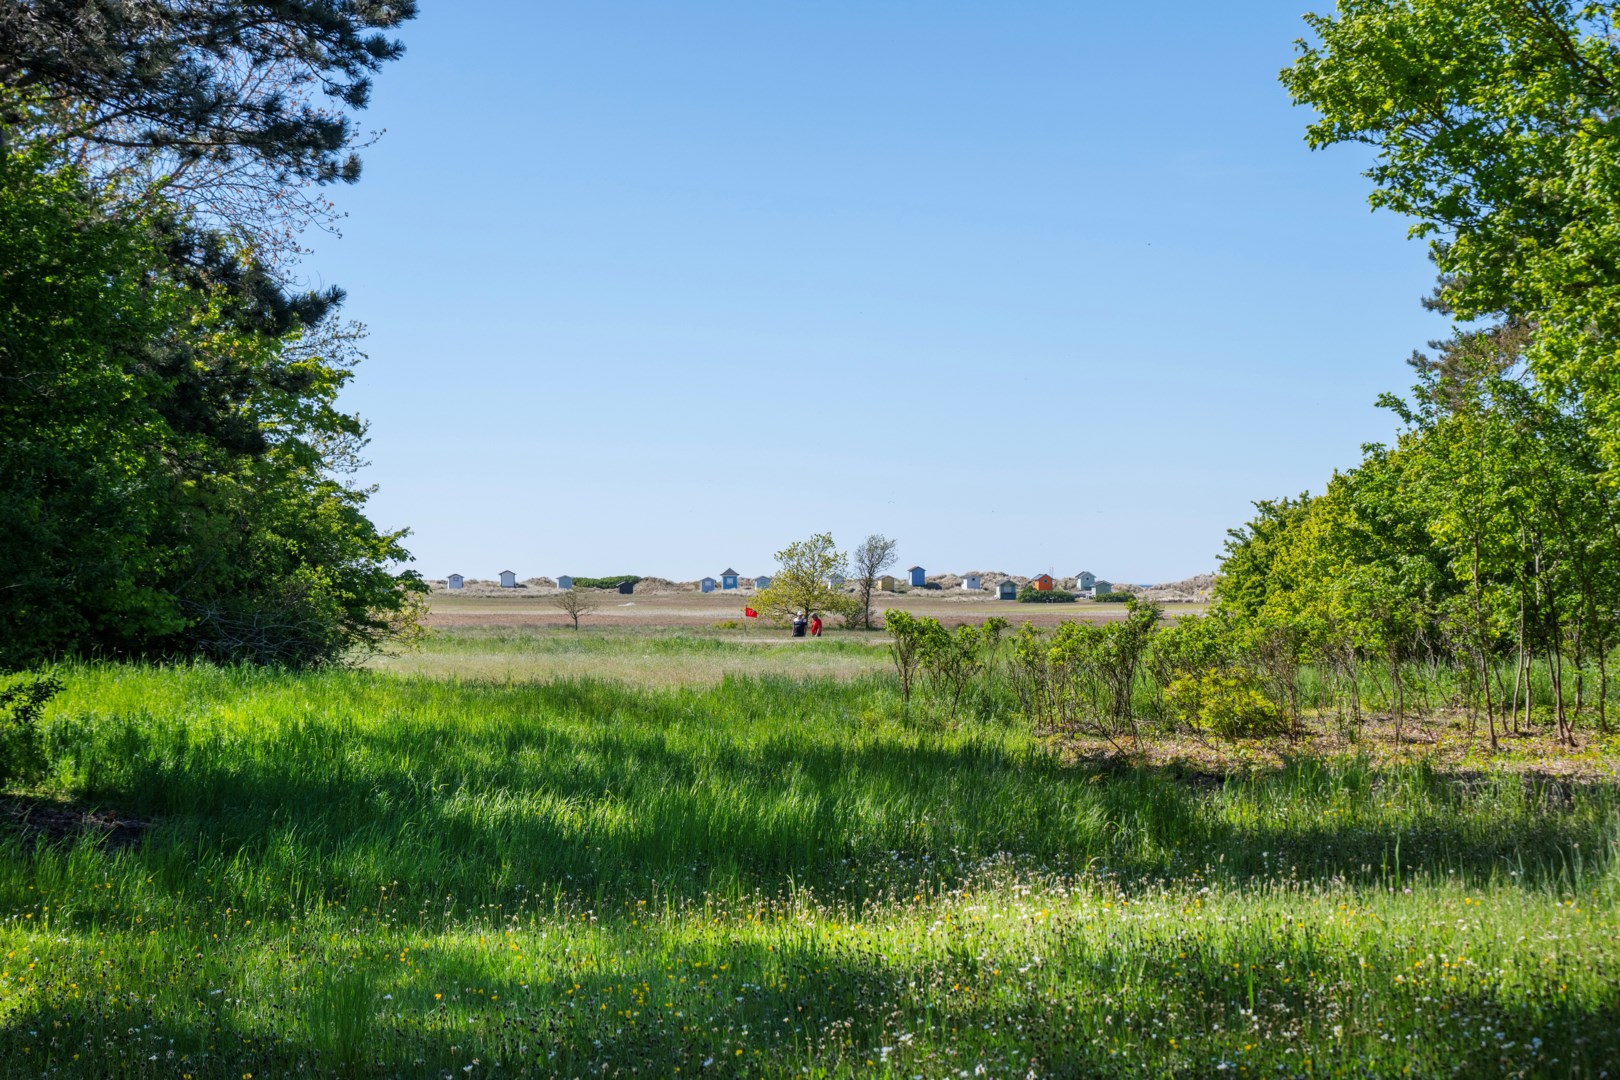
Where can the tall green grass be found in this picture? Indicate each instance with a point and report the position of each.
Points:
(355, 873)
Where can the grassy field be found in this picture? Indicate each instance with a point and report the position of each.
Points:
(660, 855)
(642, 657)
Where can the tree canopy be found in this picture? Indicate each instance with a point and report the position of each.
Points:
(175, 472)
(225, 108)
(802, 582)
(1497, 128)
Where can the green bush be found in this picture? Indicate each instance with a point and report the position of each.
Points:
(1230, 704)
(1031, 595)
(22, 745)
(1111, 597)
(606, 582)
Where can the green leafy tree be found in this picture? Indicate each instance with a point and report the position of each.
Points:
(1497, 127)
(801, 586)
(82, 488)
(134, 521)
(1247, 575)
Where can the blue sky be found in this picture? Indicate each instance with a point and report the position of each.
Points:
(658, 288)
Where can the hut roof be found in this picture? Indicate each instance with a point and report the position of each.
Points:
(728, 572)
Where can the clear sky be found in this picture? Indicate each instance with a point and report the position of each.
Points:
(656, 288)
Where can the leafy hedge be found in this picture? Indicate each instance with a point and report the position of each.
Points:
(606, 582)
(1031, 595)
(1112, 597)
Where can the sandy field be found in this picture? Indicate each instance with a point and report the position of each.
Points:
(693, 610)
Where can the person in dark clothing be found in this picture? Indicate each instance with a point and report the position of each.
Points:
(799, 624)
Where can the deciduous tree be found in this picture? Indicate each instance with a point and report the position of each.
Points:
(801, 584)
(875, 554)
(575, 603)
(1497, 127)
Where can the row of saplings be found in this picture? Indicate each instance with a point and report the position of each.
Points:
(1108, 679)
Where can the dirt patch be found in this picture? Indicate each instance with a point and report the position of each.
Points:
(51, 820)
(1442, 741)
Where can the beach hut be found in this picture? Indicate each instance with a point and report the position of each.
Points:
(1085, 581)
(456, 581)
(565, 582)
(1007, 590)
(728, 578)
(762, 583)
(508, 579)
(1042, 582)
(836, 581)
(919, 576)
(884, 583)
(1102, 588)
(707, 585)
(972, 583)
(626, 588)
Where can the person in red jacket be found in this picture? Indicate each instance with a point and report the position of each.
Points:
(815, 626)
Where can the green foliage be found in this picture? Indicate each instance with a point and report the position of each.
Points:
(799, 585)
(82, 489)
(22, 740)
(1112, 597)
(606, 582)
(910, 639)
(1484, 536)
(1247, 566)
(1493, 126)
(1031, 595)
(1083, 677)
(139, 517)
(1229, 703)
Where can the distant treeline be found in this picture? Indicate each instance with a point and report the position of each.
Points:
(606, 582)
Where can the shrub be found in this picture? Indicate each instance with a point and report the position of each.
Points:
(1031, 595)
(22, 746)
(1231, 704)
(606, 582)
(1111, 597)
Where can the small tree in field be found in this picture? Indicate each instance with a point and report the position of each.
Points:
(800, 585)
(574, 603)
(876, 554)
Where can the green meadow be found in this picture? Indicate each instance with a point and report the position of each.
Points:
(508, 856)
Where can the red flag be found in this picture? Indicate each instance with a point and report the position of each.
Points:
(750, 613)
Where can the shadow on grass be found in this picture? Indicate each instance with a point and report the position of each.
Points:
(600, 793)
